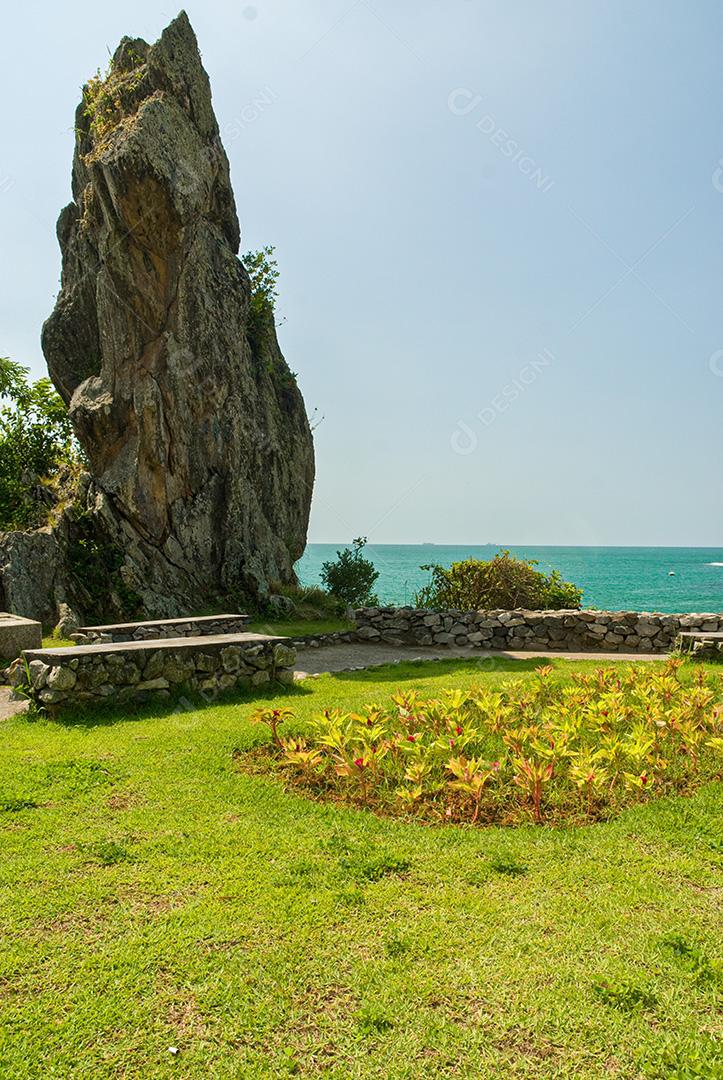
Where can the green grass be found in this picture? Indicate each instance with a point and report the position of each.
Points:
(154, 895)
(51, 641)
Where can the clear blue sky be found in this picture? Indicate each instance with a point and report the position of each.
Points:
(514, 342)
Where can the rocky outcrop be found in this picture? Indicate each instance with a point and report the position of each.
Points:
(193, 426)
(31, 574)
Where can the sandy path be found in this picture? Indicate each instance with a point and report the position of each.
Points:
(348, 657)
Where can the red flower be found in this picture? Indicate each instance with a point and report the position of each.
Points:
(458, 730)
(359, 762)
(411, 738)
(451, 743)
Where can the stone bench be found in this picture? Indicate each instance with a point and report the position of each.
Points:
(134, 670)
(158, 629)
(701, 645)
(17, 634)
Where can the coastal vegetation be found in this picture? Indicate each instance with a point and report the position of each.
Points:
(502, 582)
(169, 912)
(351, 577)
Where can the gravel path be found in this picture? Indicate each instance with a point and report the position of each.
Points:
(348, 657)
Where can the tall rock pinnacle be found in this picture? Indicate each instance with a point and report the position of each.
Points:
(193, 426)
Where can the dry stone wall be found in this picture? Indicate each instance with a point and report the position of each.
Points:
(566, 631)
(55, 678)
(161, 628)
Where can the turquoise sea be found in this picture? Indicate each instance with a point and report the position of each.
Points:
(638, 579)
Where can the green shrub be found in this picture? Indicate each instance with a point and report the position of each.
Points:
(503, 582)
(36, 444)
(350, 577)
(263, 273)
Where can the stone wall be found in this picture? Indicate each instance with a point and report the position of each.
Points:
(160, 629)
(334, 637)
(570, 631)
(92, 673)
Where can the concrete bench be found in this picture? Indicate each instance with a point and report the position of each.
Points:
(701, 644)
(157, 629)
(123, 671)
(17, 634)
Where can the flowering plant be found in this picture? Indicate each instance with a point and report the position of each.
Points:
(541, 749)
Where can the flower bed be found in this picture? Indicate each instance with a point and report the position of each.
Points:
(543, 751)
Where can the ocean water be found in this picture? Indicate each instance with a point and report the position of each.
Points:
(637, 579)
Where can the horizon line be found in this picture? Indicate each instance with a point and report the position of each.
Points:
(505, 546)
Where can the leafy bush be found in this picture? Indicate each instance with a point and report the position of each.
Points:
(503, 582)
(36, 442)
(263, 273)
(351, 577)
(546, 751)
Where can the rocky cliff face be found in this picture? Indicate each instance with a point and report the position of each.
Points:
(194, 429)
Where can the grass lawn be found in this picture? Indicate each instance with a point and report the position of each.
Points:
(155, 896)
(50, 641)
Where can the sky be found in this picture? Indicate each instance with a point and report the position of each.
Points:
(498, 226)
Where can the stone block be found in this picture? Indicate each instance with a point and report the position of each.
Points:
(153, 684)
(61, 679)
(18, 634)
(231, 658)
(284, 656)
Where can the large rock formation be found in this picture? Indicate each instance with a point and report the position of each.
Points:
(194, 428)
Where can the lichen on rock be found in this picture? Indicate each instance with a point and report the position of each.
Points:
(194, 429)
